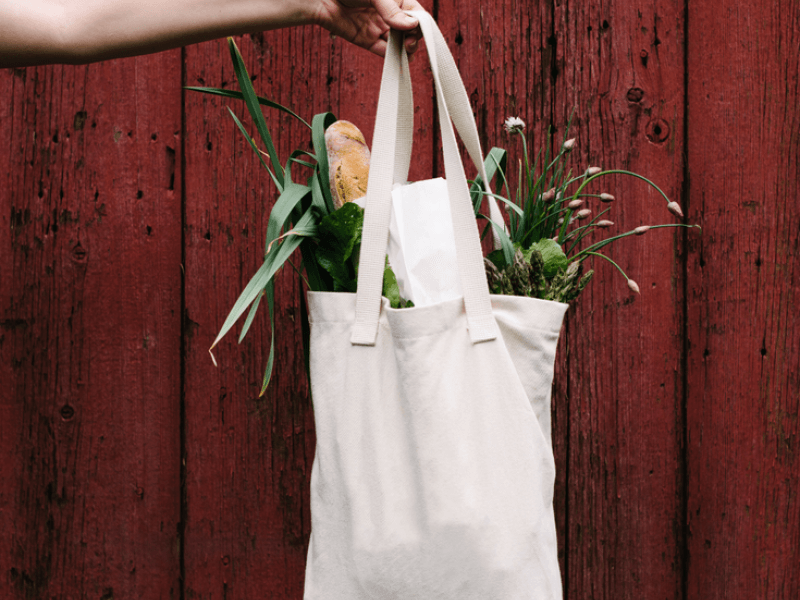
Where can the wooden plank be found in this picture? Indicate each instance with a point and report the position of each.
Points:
(249, 460)
(744, 279)
(90, 330)
(619, 66)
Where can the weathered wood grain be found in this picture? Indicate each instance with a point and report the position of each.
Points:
(744, 278)
(246, 458)
(249, 460)
(619, 66)
(90, 330)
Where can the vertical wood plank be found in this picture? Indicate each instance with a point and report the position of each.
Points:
(249, 460)
(744, 279)
(90, 330)
(619, 66)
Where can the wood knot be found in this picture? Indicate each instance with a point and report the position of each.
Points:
(79, 253)
(635, 95)
(657, 131)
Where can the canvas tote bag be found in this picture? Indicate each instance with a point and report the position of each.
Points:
(433, 474)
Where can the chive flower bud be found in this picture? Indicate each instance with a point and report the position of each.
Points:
(604, 223)
(575, 204)
(633, 285)
(593, 171)
(583, 213)
(568, 145)
(549, 195)
(641, 230)
(606, 197)
(675, 209)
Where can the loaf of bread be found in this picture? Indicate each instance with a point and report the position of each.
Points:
(348, 162)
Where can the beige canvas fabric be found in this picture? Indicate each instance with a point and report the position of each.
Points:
(433, 475)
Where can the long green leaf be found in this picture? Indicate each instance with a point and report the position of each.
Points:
(272, 263)
(250, 316)
(293, 159)
(496, 159)
(505, 242)
(319, 124)
(292, 195)
(250, 141)
(254, 108)
(270, 291)
(318, 197)
(512, 205)
(239, 96)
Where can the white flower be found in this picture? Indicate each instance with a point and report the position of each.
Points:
(514, 125)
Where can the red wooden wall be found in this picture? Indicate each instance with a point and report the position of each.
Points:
(132, 213)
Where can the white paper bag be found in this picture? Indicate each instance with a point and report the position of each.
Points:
(422, 249)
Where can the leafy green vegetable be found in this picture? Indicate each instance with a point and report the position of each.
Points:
(391, 289)
(498, 258)
(553, 256)
(339, 239)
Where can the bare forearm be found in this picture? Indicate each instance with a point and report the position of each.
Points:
(46, 31)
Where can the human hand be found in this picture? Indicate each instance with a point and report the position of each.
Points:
(366, 23)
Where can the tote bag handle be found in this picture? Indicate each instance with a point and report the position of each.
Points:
(391, 144)
(455, 96)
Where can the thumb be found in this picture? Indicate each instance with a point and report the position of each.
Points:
(393, 15)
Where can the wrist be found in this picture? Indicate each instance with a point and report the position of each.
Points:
(319, 12)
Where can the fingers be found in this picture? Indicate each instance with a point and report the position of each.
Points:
(380, 45)
(394, 16)
(379, 48)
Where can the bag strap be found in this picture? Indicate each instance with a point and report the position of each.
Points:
(389, 134)
(405, 123)
(460, 111)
